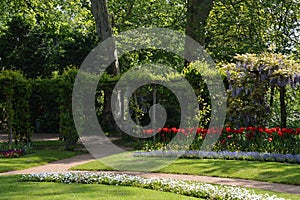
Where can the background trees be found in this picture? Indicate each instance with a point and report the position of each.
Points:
(252, 27)
(40, 38)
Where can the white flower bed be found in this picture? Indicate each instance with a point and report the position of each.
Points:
(201, 190)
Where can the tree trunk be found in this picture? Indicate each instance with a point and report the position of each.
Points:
(197, 14)
(104, 31)
(272, 97)
(283, 115)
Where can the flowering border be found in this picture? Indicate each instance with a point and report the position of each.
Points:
(238, 155)
(11, 153)
(248, 139)
(188, 188)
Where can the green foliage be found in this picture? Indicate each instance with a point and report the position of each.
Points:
(15, 92)
(292, 108)
(39, 37)
(133, 14)
(250, 80)
(12, 151)
(44, 105)
(67, 128)
(252, 27)
(195, 74)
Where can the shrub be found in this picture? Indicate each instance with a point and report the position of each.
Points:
(15, 93)
(67, 128)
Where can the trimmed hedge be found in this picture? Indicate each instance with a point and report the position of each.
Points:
(15, 92)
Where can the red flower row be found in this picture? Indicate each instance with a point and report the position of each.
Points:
(270, 131)
(11, 153)
(248, 131)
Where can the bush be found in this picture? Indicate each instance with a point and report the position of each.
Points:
(67, 128)
(15, 93)
(44, 105)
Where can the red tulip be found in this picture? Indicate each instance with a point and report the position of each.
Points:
(228, 129)
(280, 134)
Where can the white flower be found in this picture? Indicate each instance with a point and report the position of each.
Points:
(188, 188)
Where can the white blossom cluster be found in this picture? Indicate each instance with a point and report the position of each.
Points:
(188, 188)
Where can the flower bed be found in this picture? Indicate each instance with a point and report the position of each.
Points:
(188, 188)
(249, 139)
(14, 150)
(239, 155)
(11, 153)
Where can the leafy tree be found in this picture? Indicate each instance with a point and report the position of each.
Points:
(37, 37)
(104, 31)
(133, 14)
(252, 27)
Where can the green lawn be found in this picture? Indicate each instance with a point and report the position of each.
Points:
(38, 157)
(12, 189)
(42, 153)
(252, 170)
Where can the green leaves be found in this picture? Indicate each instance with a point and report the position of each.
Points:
(250, 80)
(252, 27)
(15, 93)
(39, 37)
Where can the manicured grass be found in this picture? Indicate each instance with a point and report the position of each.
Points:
(278, 194)
(42, 153)
(56, 145)
(126, 162)
(11, 189)
(96, 165)
(38, 157)
(252, 170)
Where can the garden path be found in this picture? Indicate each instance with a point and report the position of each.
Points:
(65, 164)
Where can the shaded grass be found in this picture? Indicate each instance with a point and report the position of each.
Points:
(38, 157)
(11, 189)
(42, 153)
(56, 145)
(252, 170)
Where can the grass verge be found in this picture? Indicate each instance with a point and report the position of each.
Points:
(42, 153)
(252, 170)
(33, 190)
